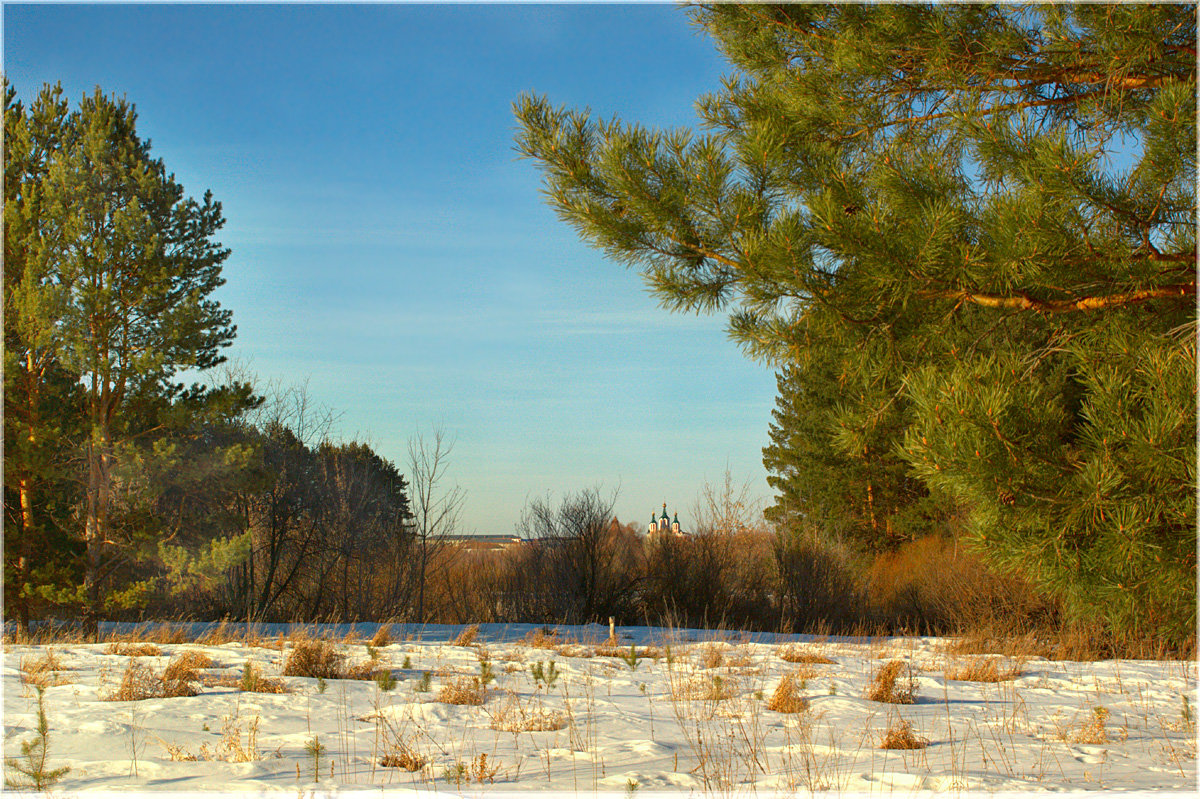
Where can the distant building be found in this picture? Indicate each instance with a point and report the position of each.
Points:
(664, 525)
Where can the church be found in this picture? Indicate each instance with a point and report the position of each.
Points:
(663, 524)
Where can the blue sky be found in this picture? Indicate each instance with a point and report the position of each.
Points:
(391, 248)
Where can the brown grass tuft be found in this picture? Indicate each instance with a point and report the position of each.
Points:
(467, 636)
(901, 736)
(382, 636)
(463, 691)
(43, 671)
(254, 682)
(311, 657)
(893, 683)
(712, 656)
(543, 639)
(403, 756)
(1091, 731)
(705, 688)
(181, 672)
(794, 653)
(138, 682)
(367, 670)
(983, 670)
(787, 698)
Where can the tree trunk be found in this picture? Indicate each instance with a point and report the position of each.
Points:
(421, 587)
(96, 525)
(25, 491)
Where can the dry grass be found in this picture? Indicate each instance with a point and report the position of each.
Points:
(513, 715)
(794, 653)
(181, 672)
(176, 752)
(541, 638)
(463, 691)
(787, 698)
(1077, 642)
(1093, 729)
(138, 682)
(132, 650)
(382, 636)
(157, 633)
(901, 736)
(311, 657)
(983, 670)
(43, 671)
(467, 636)
(705, 688)
(894, 683)
(363, 671)
(403, 756)
(252, 681)
(193, 659)
(231, 749)
(712, 656)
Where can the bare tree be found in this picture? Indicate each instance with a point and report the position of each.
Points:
(727, 508)
(585, 560)
(436, 507)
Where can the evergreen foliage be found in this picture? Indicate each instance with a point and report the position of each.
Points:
(31, 771)
(966, 236)
(113, 269)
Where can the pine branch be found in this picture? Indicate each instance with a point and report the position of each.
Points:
(1093, 303)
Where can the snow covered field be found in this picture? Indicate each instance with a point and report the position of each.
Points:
(691, 712)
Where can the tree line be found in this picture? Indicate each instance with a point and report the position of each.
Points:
(128, 490)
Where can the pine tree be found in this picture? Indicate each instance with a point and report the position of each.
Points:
(970, 231)
(116, 275)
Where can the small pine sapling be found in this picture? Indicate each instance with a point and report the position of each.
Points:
(385, 680)
(455, 773)
(34, 754)
(631, 659)
(425, 683)
(544, 674)
(315, 749)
